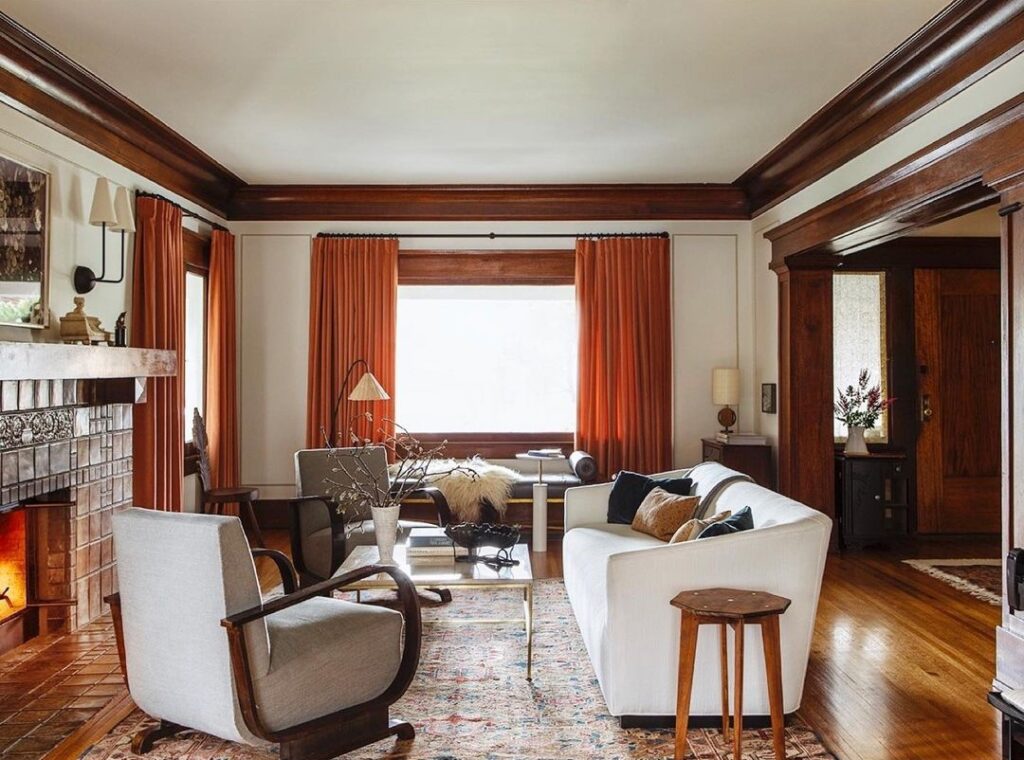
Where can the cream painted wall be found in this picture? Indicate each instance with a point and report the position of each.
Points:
(713, 307)
(999, 86)
(73, 170)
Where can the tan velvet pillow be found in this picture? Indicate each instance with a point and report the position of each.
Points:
(661, 513)
(690, 529)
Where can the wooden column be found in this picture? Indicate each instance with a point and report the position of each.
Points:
(806, 439)
(1009, 180)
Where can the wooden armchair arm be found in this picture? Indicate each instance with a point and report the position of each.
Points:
(444, 512)
(289, 579)
(242, 671)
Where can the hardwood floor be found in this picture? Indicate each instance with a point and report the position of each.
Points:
(900, 662)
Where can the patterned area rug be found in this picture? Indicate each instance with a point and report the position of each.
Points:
(471, 700)
(981, 578)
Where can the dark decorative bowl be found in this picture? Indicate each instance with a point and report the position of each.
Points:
(477, 536)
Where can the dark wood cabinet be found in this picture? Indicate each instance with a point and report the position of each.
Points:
(755, 461)
(872, 498)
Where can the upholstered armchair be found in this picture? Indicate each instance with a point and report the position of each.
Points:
(201, 649)
(320, 537)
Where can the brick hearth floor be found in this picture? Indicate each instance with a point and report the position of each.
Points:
(52, 685)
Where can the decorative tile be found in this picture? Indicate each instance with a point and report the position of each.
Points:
(35, 427)
(9, 396)
(42, 394)
(26, 394)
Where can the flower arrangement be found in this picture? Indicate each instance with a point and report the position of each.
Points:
(861, 405)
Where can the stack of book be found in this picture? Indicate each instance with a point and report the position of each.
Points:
(546, 453)
(432, 545)
(748, 439)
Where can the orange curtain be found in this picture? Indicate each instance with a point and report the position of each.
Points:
(221, 383)
(158, 321)
(352, 314)
(624, 406)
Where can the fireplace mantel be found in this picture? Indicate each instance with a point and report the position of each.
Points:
(59, 361)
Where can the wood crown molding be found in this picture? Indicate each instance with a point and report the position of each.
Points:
(959, 46)
(487, 202)
(43, 83)
(951, 176)
(956, 48)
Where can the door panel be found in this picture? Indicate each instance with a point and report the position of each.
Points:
(958, 354)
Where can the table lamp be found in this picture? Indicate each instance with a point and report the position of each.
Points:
(725, 391)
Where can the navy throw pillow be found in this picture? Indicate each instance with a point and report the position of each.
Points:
(742, 520)
(630, 489)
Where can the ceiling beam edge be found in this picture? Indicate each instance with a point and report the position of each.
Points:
(959, 46)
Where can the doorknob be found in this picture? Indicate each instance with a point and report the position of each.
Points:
(926, 407)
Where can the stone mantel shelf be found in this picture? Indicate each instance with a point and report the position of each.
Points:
(59, 361)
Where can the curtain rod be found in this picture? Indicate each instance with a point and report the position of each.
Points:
(184, 211)
(494, 235)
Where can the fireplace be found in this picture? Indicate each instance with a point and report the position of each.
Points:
(65, 468)
(13, 563)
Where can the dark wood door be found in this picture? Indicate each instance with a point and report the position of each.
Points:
(957, 326)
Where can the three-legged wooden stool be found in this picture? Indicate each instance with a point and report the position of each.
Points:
(730, 607)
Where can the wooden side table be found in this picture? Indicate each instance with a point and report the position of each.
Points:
(753, 460)
(737, 608)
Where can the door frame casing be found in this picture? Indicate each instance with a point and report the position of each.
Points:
(976, 164)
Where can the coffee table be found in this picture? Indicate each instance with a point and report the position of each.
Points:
(454, 574)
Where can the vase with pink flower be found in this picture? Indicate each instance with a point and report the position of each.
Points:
(860, 407)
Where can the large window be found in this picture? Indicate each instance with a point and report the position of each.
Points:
(486, 358)
(195, 347)
(197, 274)
(858, 338)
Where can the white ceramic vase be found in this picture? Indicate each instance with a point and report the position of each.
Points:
(855, 443)
(385, 527)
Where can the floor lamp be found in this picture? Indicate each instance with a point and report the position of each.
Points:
(367, 389)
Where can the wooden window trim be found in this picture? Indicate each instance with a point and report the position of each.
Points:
(501, 267)
(546, 266)
(197, 261)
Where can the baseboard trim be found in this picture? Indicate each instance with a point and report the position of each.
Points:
(695, 721)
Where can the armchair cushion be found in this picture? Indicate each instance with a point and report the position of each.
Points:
(326, 655)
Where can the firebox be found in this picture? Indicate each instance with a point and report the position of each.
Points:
(13, 563)
(35, 589)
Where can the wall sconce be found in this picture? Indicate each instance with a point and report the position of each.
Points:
(116, 212)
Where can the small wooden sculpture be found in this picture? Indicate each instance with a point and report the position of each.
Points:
(78, 327)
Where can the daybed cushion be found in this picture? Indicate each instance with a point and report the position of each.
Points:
(326, 655)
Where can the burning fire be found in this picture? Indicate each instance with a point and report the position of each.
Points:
(12, 563)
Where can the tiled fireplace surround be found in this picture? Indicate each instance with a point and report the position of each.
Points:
(66, 462)
(54, 446)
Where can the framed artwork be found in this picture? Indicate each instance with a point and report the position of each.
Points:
(768, 398)
(24, 244)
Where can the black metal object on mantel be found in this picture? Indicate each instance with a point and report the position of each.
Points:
(477, 536)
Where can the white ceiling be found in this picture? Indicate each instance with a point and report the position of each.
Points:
(462, 91)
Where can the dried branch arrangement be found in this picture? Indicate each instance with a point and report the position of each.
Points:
(359, 484)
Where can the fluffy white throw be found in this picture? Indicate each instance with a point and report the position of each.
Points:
(476, 480)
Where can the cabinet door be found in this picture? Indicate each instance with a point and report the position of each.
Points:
(864, 500)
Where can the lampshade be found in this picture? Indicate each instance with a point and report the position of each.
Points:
(368, 389)
(102, 211)
(725, 386)
(123, 211)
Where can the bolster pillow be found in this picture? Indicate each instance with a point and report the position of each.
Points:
(583, 465)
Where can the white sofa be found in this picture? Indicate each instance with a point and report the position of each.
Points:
(620, 582)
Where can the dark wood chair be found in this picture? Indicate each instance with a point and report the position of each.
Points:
(213, 500)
